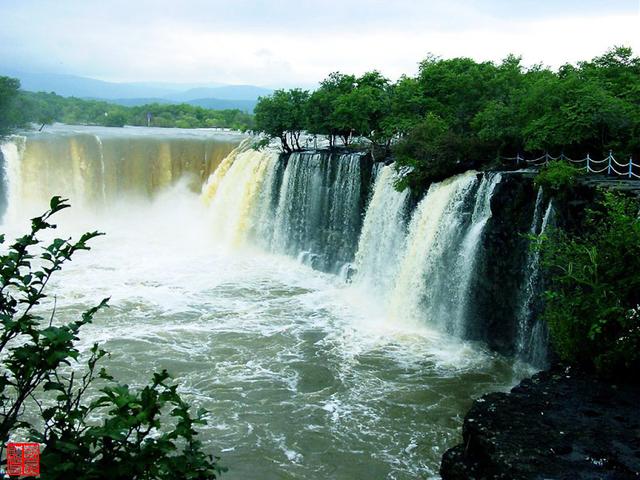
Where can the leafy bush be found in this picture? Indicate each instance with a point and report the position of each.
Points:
(593, 299)
(9, 115)
(147, 433)
(558, 177)
(432, 152)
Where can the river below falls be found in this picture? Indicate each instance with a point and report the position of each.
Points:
(302, 375)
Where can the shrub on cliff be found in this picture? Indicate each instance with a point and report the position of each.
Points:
(432, 152)
(593, 297)
(558, 177)
(90, 426)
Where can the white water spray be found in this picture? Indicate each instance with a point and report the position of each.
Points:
(435, 224)
(383, 234)
(532, 338)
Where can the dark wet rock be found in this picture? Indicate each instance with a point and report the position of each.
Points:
(559, 424)
(499, 271)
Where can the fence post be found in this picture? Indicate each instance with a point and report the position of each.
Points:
(630, 167)
(588, 160)
(609, 167)
(562, 156)
(518, 159)
(546, 158)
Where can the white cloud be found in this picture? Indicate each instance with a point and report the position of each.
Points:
(175, 44)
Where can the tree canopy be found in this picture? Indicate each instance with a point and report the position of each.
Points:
(458, 113)
(9, 88)
(20, 108)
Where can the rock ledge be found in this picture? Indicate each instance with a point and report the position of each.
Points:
(559, 424)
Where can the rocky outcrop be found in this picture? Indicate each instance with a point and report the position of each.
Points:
(559, 424)
(500, 271)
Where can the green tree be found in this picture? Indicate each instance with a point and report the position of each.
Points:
(121, 434)
(593, 298)
(115, 118)
(282, 115)
(456, 89)
(297, 101)
(407, 107)
(272, 114)
(490, 110)
(322, 118)
(9, 118)
(558, 177)
(419, 155)
(318, 113)
(362, 110)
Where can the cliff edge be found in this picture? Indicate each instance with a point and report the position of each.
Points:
(559, 424)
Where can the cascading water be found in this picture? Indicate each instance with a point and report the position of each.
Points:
(435, 281)
(12, 188)
(311, 209)
(532, 335)
(323, 378)
(383, 234)
(422, 289)
(529, 287)
(234, 202)
(319, 209)
(94, 169)
(469, 252)
(103, 169)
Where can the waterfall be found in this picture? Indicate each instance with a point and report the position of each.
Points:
(532, 336)
(469, 252)
(426, 275)
(310, 209)
(234, 193)
(103, 170)
(535, 222)
(422, 287)
(93, 170)
(12, 153)
(333, 211)
(528, 289)
(376, 170)
(319, 209)
(383, 234)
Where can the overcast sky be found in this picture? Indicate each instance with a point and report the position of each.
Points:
(298, 42)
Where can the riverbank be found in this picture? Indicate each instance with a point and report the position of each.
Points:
(560, 424)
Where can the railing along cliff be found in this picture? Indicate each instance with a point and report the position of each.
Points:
(607, 166)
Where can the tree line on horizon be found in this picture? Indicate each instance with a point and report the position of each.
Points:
(20, 108)
(458, 113)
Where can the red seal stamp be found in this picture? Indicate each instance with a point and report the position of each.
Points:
(23, 459)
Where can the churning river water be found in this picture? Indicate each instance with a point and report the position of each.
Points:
(304, 375)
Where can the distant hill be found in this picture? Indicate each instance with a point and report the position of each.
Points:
(211, 103)
(224, 104)
(227, 92)
(213, 95)
(82, 87)
(133, 102)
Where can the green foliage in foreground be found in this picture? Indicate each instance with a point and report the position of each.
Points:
(20, 108)
(593, 300)
(90, 426)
